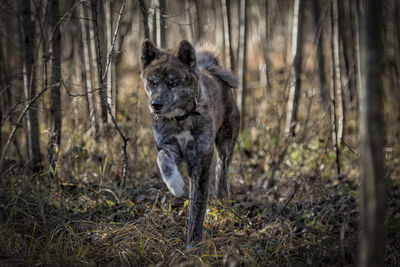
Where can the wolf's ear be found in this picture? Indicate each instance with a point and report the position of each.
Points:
(149, 53)
(186, 54)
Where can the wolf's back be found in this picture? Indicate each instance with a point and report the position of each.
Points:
(209, 61)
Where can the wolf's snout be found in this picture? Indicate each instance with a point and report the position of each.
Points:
(156, 104)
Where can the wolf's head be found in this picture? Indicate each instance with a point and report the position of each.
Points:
(170, 78)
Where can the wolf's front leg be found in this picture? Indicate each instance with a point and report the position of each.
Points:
(170, 172)
(199, 178)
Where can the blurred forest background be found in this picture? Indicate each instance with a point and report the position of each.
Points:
(79, 181)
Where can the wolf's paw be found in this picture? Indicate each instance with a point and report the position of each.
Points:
(175, 183)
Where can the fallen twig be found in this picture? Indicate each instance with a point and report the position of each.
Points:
(296, 188)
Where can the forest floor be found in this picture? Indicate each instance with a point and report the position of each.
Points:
(294, 221)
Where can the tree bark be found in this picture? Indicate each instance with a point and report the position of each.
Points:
(109, 82)
(199, 20)
(32, 137)
(372, 205)
(242, 60)
(145, 15)
(337, 71)
(226, 20)
(55, 98)
(189, 21)
(336, 107)
(295, 84)
(160, 23)
(320, 59)
(265, 35)
(88, 76)
(101, 101)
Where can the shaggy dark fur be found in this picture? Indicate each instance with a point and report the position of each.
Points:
(192, 108)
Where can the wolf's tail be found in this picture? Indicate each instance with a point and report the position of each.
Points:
(210, 62)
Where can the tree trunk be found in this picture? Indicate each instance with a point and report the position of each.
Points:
(226, 20)
(109, 82)
(265, 35)
(336, 115)
(34, 156)
(347, 58)
(337, 79)
(320, 59)
(189, 20)
(199, 20)
(372, 204)
(160, 23)
(100, 98)
(242, 60)
(55, 98)
(145, 14)
(295, 84)
(88, 76)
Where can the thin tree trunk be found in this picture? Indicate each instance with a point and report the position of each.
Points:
(323, 87)
(226, 19)
(242, 60)
(335, 119)
(347, 57)
(34, 156)
(101, 105)
(372, 204)
(295, 84)
(265, 35)
(355, 46)
(88, 76)
(55, 98)
(337, 72)
(109, 82)
(199, 20)
(189, 21)
(153, 9)
(145, 15)
(160, 23)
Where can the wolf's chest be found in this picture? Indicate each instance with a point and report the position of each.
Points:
(182, 138)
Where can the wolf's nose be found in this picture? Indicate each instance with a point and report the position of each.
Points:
(156, 104)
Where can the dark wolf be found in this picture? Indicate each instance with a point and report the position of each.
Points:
(192, 108)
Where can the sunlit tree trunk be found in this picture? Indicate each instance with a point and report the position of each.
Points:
(336, 112)
(337, 71)
(109, 82)
(88, 75)
(55, 98)
(189, 20)
(295, 84)
(372, 204)
(242, 60)
(34, 156)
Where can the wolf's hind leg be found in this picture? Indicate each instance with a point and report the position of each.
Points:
(225, 143)
(170, 172)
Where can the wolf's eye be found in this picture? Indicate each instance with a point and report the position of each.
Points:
(153, 82)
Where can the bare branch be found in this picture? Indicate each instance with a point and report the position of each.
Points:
(111, 51)
(21, 116)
